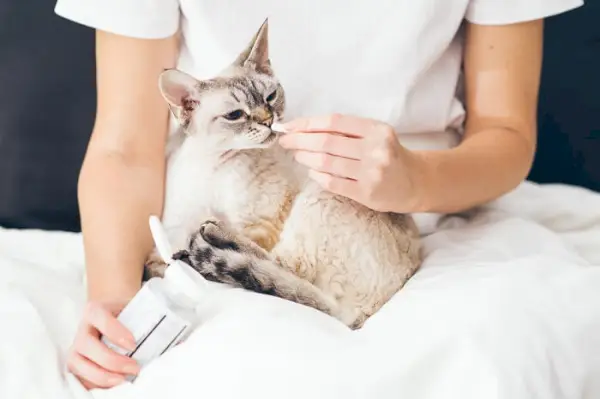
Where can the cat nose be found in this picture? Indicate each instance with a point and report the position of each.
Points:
(263, 115)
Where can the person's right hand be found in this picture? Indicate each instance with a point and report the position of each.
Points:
(89, 359)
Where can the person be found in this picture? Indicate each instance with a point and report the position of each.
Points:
(435, 101)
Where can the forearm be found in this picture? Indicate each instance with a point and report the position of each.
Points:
(483, 167)
(502, 67)
(122, 178)
(116, 197)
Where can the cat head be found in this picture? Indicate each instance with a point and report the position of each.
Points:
(234, 110)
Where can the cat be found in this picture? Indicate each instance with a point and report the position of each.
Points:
(221, 160)
(244, 213)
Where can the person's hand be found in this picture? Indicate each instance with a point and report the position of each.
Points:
(358, 158)
(89, 359)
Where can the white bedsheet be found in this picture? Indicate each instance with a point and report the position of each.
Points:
(507, 305)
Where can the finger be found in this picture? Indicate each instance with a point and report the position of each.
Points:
(346, 147)
(326, 163)
(88, 385)
(346, 124)
(93, 349)
(93, 374)
(337, 185)
(108, 325)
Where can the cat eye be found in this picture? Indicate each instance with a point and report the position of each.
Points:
(234, 115)
(271, 96)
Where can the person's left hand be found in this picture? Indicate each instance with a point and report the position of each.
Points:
(358, 158)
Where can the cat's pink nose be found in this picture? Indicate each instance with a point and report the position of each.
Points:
(263, 116)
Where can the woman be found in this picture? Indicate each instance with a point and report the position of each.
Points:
(373, 69)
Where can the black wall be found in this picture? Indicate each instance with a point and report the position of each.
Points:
(569, 112)
(47, 104)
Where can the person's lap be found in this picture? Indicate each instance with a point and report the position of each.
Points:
(500, 303)
(499, 296)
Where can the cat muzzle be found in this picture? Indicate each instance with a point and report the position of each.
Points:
(263, 115)
(270, 139)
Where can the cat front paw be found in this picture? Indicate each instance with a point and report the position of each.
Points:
(221, 235)
(215, 233)
(211, 251)
(221, 255)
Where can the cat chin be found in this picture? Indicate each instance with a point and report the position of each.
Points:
(268, 142)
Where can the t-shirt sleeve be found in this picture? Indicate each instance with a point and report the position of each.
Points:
(499, 12)
(145, 19)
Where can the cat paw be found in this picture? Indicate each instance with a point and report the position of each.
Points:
(220, 235)
(214, 255)
(154, 267)
(215, 233)
(212, 221)
(220, 254)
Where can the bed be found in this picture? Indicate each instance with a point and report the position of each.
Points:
(507, 304)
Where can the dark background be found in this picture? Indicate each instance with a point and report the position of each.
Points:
(47, 104)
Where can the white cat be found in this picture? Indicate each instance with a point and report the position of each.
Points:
(241, 212)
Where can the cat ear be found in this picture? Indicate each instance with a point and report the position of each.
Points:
(180, 90)
(256, 55)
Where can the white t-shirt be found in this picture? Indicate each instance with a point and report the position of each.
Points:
(397, 61)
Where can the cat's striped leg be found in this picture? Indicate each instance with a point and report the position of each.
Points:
(223, 256)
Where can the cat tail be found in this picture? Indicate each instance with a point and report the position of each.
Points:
(223, 256)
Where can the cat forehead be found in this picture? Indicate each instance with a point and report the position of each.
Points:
(257, 82)
(249, 89)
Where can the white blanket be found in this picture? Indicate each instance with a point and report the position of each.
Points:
(507, 305)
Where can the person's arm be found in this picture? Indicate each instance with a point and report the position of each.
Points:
(368, 164)
(502, 72)
(122, 178)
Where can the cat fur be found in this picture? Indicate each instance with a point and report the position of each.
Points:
(242, 212)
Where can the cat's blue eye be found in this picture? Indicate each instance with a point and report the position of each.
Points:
(234, 115)
(271, 96)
